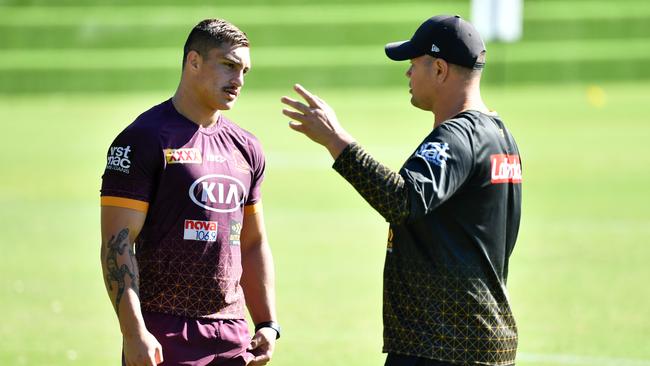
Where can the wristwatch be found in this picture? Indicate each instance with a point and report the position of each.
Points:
(270, 324)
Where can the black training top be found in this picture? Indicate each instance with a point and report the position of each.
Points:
(454, 212)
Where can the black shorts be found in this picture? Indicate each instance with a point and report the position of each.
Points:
(394, 359)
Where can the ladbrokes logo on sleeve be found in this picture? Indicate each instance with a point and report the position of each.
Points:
(505, 168)
(119, 158)
(218, 193)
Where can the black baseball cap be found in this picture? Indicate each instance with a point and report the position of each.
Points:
(448, 37)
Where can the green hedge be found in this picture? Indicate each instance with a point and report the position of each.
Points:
(89, 36)
(332, 43)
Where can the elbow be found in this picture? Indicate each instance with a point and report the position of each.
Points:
(396, 217)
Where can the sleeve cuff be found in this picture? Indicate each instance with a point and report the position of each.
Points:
(253, 209)
(348, 154)
(130, 203)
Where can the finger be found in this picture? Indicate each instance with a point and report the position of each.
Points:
(294, 115)
(318, 99)
(295, 104)
(262, 359)
(309, 97)
(159, 355)
(296, 126)
(254, 343)
(150, 360)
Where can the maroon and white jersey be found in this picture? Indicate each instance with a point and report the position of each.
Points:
(195, 185)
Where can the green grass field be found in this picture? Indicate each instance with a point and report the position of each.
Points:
(73, 73)
(578, 275)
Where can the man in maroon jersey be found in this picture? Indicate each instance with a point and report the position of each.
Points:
(182, 183)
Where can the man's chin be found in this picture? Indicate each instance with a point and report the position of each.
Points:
(226, 106)
(418, 105)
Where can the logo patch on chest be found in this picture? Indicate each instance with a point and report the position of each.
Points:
(235, 232)
(240, 163)
(215, 158)
(218, 193)
(200, 230)
(183, 156)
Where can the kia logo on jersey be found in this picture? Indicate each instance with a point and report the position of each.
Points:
(505, 168)
(218, 193)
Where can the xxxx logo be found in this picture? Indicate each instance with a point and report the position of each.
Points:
(183, 156)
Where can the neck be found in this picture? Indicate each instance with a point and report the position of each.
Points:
(454, 103)
(189, 105)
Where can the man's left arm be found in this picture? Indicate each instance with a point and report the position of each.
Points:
(258, 282)
(381, 187)
(429, 180)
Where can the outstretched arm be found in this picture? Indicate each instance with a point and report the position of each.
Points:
(439, 167)
(381, 187)
(120, 226)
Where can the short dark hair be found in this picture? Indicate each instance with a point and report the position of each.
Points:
(213, 33)
(469, 72)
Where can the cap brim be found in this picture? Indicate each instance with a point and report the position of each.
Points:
(400, 51)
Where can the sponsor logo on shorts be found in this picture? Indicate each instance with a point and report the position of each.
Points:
(389, 242)
(505, 168)
(235, 232)
(218, 193)
(200, 230)
(434, 152)
(119, 158)
(183, 156)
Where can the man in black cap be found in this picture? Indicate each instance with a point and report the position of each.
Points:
(453, 208)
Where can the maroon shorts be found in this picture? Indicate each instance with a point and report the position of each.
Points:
(199, 342)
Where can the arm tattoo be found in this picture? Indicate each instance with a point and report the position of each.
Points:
(116, 247)
(384, 189)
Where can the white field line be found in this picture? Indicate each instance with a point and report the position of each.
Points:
(569, 359)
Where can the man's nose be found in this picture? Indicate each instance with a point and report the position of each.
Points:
(238, 79)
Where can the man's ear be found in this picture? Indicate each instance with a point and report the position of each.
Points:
(194, 60)
(440, 69)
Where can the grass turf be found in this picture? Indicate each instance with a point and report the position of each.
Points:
(577, 276)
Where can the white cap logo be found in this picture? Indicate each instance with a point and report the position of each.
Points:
(434, 48)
